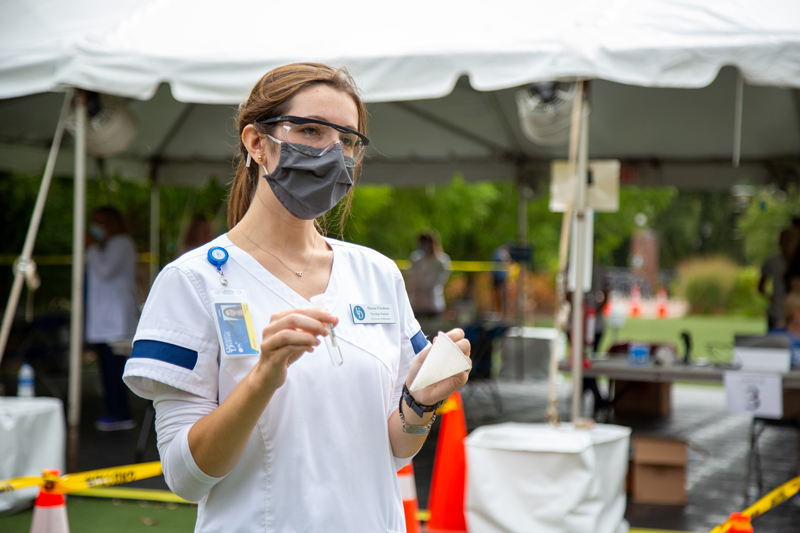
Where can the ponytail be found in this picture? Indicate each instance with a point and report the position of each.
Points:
(242, 190)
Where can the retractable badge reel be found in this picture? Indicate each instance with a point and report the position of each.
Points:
(218, 256)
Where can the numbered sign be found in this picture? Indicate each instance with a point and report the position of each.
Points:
(760, 395)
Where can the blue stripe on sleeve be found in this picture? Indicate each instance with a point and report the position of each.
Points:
(419, 342)
(163, 351)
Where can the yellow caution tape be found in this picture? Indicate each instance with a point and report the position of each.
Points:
(18, 483)
(84, 480)
(773, 498)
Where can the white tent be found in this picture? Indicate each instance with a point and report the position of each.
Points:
(442, 77)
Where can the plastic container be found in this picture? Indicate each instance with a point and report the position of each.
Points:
(321, 302)
(26, 381)
(638, 354)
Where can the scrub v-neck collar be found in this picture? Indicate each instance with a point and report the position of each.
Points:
(268, 279)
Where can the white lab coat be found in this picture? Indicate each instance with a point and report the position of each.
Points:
(320, 458)
(111, 308)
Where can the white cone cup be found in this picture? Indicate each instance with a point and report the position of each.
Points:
(444, 360)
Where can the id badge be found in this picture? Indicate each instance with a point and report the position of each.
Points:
(235, 331)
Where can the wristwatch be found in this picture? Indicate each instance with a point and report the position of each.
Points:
(418, 408)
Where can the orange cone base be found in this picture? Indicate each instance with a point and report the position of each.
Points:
(408, 491)
(446, 502)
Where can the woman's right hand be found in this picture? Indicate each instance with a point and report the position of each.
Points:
(290, 334)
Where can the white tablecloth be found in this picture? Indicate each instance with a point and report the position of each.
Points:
(32, 437)
(533, 477)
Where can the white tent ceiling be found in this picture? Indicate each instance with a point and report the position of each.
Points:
(441, 79)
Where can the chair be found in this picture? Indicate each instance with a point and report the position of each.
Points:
(754, 457)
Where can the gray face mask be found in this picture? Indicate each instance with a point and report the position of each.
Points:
(309, 186)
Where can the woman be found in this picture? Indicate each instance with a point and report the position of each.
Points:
(282, 440)
(430, 268)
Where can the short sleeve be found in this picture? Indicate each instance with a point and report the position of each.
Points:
(412, 339)
(176, 342)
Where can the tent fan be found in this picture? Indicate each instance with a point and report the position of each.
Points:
(544, 111)
(111, 125)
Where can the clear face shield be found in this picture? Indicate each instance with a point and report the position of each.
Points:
(316, 137)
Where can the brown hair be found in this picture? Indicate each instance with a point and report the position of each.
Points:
(112, 219)
(271, 97)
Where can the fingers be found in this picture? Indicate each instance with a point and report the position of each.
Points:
(314, 321)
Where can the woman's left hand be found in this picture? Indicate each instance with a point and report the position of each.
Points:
(440, 390)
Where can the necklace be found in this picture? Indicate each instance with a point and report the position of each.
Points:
(300, 273)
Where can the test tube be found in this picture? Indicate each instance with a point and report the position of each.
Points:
(321, 302)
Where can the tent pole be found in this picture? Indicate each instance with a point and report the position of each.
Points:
(522, 238)
(155, 215)
(560, 316)
(76, 314)
(737, 120)
(580, 272)
(33, 229)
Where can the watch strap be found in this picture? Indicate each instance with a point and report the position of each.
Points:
(418, 408)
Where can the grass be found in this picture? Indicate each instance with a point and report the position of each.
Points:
(114, 516)
(712, 336)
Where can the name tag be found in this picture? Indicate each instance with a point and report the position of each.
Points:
(372, 314)
(235, 330)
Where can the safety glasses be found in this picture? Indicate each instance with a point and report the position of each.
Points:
(316, 137)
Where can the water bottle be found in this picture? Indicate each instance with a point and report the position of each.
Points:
(26, 381)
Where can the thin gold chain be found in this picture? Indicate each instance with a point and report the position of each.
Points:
(300, 273)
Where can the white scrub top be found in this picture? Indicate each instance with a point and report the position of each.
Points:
(320, 458)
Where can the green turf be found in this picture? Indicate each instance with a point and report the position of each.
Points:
(113, 516)
(712, 336)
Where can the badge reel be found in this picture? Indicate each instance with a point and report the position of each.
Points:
(232, 317)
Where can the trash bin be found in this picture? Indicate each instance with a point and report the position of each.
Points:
(534, 477)
(526, 352)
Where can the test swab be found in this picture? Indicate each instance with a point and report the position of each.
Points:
(321, 302)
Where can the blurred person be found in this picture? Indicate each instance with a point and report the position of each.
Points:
(775, 269)
(276, 438)
(199, 233)
(111, 309)
(791, 308)
(427, 275)
(502, 256)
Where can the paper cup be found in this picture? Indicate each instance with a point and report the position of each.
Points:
(444, 360)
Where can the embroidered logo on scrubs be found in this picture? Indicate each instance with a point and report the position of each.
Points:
(372, 313)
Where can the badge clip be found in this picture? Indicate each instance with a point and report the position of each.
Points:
(218, 256)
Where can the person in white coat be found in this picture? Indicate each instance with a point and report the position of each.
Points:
(265, 432)
(111, 309)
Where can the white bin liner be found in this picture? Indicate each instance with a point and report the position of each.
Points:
(534, 477)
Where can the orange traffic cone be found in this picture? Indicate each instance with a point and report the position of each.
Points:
(740, 523)
(448, 484)
(661, 308)
(49, 511)
(408, 490)
(636, 302)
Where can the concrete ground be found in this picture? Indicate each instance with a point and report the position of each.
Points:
(717, 458)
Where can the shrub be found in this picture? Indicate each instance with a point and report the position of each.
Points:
(708, 283)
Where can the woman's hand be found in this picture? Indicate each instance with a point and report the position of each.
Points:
(440, 390)
(290, 334)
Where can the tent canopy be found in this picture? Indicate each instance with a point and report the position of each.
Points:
(441, 79)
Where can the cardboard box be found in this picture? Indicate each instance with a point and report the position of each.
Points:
(642, 398)
(659, 471)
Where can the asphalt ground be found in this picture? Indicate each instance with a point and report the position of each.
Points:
(716, 469)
